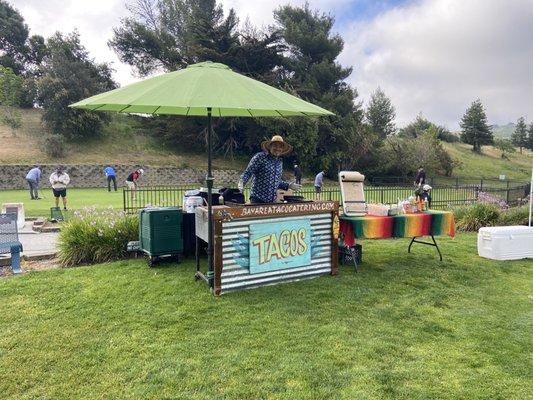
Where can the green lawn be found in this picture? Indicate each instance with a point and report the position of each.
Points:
(77, 198)
(404, 327)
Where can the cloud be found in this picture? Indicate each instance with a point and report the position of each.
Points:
(93, 19)
(429, 56)
(437, 56)
(260, 12)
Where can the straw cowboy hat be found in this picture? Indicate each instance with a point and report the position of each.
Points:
(287, 148)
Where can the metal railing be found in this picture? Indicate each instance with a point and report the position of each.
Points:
(443, 196)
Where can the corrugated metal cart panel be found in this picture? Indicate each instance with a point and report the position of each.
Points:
(236, 277)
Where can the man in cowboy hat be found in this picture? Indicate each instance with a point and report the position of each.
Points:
(266, 168)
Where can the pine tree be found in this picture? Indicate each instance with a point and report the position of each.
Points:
(475, 129)
(311, 71)
(380, 114)
(519, 137)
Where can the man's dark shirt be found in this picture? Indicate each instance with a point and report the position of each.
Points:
(420, 177)
(297, 173)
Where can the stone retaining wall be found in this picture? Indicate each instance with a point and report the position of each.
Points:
(85, 176)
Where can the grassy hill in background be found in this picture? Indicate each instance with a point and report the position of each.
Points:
(489, 164)
(124, 143)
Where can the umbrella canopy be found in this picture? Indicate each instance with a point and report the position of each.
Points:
(192, 90)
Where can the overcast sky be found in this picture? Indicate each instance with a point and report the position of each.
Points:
(429, 56)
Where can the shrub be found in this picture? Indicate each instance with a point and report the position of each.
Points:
(92, 236)
(54, 146)
(471, 218)
(515, 216)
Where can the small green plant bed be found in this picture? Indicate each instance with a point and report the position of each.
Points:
(93, 236)
(406, 326)
(475, 216)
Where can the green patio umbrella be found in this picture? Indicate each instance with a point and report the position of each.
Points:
(205, 89)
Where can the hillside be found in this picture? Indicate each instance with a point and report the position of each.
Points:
(490, 164)
(120, 144)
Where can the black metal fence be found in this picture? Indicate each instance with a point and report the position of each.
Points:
(443, 196)
(481, 183)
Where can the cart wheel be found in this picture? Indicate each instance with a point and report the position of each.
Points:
(177, 257)
(152, 261)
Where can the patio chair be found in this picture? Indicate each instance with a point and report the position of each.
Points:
(353, 195)
(9, 240)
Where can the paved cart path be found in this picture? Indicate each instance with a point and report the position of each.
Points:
(39, 243)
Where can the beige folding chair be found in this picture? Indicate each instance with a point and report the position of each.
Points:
(353, 195)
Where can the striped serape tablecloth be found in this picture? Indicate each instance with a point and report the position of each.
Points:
(399, 226)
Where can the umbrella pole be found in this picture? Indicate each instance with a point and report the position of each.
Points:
(209, 179)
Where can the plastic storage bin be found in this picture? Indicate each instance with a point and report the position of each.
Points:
(505, 242)
(160, 232)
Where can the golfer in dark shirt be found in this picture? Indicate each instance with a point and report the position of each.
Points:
(420, 178)
(297, 174)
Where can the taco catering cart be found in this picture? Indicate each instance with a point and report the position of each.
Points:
(258, 245)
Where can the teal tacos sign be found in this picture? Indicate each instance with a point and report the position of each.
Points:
(274, 246)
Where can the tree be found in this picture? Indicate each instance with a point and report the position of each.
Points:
(475, 130)
(11, 93)
(402, 155)
(13, 35)
(505, 145)
(69, 75)
(421, 125)
(310, 71)
(380, 114)
(171, 34)
(519, 136)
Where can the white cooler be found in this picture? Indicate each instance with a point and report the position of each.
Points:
(505, 242)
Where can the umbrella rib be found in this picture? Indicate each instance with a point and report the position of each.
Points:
(188, 109)
(281, 115)
(158, 107)
(124, 108)
(249, 112)
(96, 108)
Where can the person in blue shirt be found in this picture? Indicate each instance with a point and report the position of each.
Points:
(319, 178)
(111, 176)
(266, 169)
(33, 177)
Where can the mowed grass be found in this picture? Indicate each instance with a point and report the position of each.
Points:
(77, 199)
(405, 327)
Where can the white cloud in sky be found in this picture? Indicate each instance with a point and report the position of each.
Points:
(93, 19)
(430, 56)
(437, 56)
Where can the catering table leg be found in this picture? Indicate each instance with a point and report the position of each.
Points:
(434, 244)
(198, 274)
(197, 254)
(354, 256)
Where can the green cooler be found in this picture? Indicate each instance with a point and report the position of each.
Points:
(160, 233)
